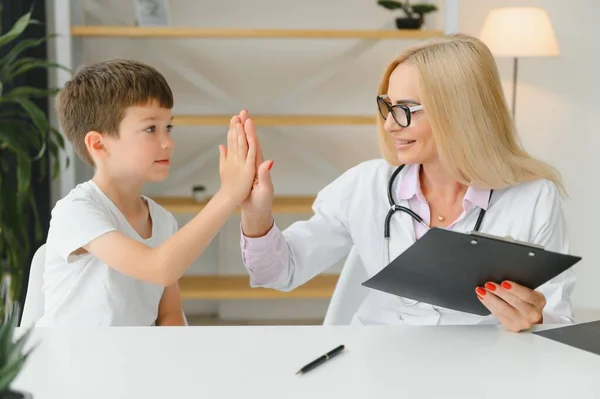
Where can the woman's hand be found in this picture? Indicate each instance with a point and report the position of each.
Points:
(257, 216)
(518, 308)
(260, 199)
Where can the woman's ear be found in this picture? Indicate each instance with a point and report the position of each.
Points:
(96, 146)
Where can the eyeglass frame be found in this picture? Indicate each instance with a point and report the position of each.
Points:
(407, 110)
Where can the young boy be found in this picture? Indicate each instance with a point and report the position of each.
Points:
(113, 256)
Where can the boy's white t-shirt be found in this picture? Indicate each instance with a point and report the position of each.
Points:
(80, 290)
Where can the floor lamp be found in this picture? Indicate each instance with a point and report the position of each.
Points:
(519, 32)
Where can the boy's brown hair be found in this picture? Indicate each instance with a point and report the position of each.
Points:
(97, 96)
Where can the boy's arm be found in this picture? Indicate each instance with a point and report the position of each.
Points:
(166, 263)
(170, 312)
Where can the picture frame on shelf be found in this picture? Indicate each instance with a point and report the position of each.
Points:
(152, 12)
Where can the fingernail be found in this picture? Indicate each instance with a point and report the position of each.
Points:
(506, 285)
(490, 286)
(480, 297)
(480, 291)
(270, 166)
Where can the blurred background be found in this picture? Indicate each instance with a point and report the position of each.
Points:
(313, 96)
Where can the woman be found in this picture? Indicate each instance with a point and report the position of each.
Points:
(444, 117)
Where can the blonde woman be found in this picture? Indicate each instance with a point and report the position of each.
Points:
(444, 118)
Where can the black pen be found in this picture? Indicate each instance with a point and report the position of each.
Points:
(320, 360)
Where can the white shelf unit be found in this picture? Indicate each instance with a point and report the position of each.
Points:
(67, 23)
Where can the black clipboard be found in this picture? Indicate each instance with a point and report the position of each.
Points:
(444, 267)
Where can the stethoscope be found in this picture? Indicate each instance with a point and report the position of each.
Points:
(394, 208)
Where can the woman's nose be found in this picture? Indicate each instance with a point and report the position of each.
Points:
(390, 124)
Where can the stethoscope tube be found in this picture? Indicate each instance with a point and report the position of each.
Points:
(395, 207)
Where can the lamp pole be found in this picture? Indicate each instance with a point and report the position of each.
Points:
(514, 91)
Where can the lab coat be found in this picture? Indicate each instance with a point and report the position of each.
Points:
(352, 209)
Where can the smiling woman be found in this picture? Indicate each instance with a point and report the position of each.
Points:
(452, 159)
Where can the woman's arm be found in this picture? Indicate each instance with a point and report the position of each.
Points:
(286, 260)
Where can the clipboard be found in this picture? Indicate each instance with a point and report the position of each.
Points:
(444, 267)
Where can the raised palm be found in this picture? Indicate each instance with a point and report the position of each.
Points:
(260, 198)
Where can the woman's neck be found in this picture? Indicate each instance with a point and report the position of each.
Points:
(437, 184)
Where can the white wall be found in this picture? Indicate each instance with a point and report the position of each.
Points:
(555, 102)
(558, 120)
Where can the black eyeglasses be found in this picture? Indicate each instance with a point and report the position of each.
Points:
(400, 112)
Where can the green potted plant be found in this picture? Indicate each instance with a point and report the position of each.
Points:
(12, 355)
(414, 13)
(26, 138)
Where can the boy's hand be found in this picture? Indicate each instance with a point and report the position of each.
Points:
(260, 199)
(237, 165)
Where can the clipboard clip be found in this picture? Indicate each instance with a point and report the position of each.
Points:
(507, 239)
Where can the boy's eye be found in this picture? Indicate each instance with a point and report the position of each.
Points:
(169, 128)
(151, 129)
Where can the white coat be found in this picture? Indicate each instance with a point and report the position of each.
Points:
(352, 209)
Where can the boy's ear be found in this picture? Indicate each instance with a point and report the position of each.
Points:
(94, 141)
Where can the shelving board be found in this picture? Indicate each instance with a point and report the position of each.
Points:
(283, 204)
(222, 287)
(224, 33)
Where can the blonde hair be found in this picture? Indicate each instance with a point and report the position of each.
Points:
(473, 131)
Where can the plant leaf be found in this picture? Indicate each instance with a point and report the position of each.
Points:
(17, 29)
(23, 176)
(390, 4)
(11, 142)
(24, 169)
(7, 377)
(27, 91)
(54, 150)
(36, 114)
(36, 218)
(23, 133)
(27, 64)
(16, 351)
(6, 333)
(7, 60)
(41, 152)
(59, 137)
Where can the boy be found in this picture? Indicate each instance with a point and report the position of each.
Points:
(113, 256)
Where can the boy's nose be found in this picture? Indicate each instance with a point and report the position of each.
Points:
(167, 142)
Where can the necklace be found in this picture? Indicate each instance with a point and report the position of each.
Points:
(440, 217)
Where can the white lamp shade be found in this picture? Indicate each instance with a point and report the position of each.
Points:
(519, 32)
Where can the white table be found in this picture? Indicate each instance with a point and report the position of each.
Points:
(261, 362)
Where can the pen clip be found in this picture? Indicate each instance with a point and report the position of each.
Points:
(507, 239)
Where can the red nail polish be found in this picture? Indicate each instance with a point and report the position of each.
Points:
(506, 285)
(270, 166)
(480, 291)
(480, 297)
(490, 286)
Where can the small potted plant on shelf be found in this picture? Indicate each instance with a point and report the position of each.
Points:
(414, 13)
(12, 356)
